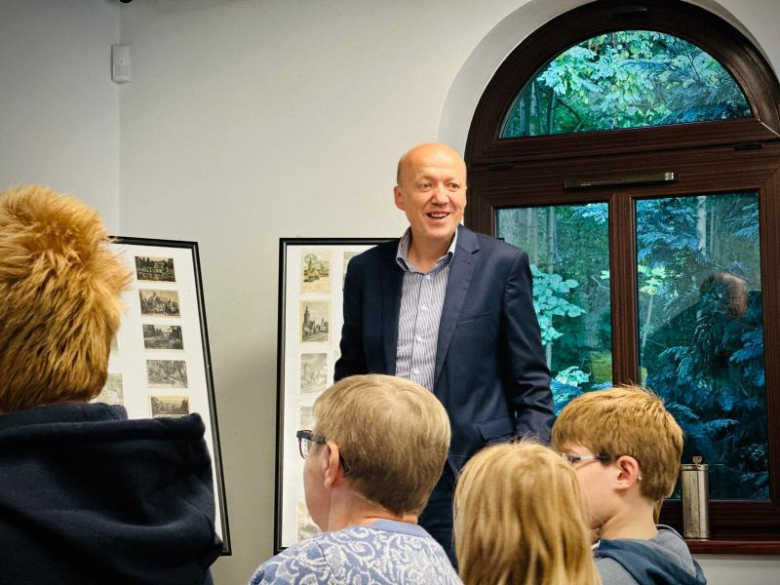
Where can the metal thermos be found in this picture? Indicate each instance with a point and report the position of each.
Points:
(695, 499)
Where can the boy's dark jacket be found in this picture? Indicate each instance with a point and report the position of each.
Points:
(89, 497)
(648, 565)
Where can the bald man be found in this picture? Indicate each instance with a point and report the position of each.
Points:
(453, 311)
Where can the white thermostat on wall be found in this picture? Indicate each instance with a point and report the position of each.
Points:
(120, 63)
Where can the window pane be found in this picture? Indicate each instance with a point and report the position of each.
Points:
(569, 250)
(625, 79)
(701, 331)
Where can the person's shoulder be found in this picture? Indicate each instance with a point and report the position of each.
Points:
(613, 573)
(670, 543)
(303, 560)
(495, 257)
(668, 535)
(380, 249)
(411, 555)
(428, 559)
(662, 559)
(439, 568)
(373, 255)
(492, 246)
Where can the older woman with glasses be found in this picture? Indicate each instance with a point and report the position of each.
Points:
(378, 446)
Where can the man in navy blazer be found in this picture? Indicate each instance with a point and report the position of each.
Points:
(453, 311)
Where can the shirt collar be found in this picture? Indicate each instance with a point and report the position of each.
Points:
(399, 527)
(403, 249)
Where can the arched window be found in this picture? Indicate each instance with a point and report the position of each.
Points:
(632, 149)
(625, 79)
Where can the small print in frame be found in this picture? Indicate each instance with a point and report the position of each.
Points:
(306, 526)
(315, 272)
(347, 257)
(315, 321)
(169, 406)
(314, 372)
(305, 417)
(164, 303)
(166, 373)
(155, 269)
(113, 392)
(163, 337)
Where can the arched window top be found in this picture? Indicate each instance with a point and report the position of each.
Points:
(621, 38)
(624, 79)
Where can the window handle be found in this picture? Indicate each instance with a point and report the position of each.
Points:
(667, 177)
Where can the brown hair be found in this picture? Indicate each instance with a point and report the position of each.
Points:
(59, 299)
(393, 435)
(520, 519)
(729, 291)
(626, 420)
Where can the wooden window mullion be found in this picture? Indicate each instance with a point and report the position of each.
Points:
(622, 265)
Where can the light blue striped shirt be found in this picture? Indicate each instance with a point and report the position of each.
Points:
(422, 300)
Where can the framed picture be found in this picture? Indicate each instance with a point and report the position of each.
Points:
(159, 365)
(311, 281)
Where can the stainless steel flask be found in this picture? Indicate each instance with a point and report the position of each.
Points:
(695, 499)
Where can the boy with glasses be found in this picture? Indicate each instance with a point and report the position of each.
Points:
(626, 449)
(377, 449)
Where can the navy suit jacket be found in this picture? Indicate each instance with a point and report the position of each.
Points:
(490, 371)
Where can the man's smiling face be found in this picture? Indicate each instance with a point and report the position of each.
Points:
(432, 192)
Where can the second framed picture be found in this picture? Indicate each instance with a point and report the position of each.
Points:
(311, 280)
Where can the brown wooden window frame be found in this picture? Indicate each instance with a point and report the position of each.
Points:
(706, 158)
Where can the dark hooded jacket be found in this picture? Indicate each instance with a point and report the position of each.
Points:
(662, 560)
(89, 497)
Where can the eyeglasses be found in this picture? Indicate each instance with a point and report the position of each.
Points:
(575, 459)
(305, 440)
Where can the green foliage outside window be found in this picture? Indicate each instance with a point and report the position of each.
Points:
(625, 79)
(569, 250)
(701, 332)
(699, 349)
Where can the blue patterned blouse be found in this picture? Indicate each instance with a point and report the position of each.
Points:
(383, 553)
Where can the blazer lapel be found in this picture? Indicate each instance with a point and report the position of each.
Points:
(392, 281)
(461, 271)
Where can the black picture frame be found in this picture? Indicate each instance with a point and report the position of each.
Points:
(188, 288)
(294, 293)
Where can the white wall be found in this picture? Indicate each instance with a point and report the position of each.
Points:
(248, 121)
(251, 120)
(59, 109)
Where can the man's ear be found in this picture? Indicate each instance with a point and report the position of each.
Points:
(399, 198)
(629, 473)
(334, 471)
